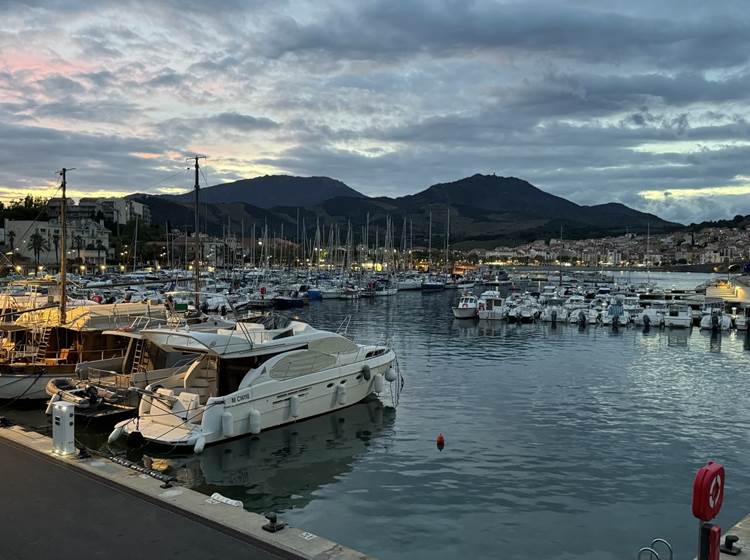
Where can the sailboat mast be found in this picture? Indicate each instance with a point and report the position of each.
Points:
(63, 259)
(196, 260)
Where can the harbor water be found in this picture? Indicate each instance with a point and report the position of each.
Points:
(560, 443)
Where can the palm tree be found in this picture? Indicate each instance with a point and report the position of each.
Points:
(56, 243)
(99, 248)
(78, 244)
(38, 244)
(11, 239)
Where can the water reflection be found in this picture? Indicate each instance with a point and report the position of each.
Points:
(281, 468)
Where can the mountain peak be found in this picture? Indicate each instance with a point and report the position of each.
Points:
(268, 191)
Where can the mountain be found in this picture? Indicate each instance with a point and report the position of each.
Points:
(275, 190)
(485, 211)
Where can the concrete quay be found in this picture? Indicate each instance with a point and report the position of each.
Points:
(68, 508)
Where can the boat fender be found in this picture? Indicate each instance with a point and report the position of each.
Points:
(255, 421)
(294, 406)
(366, 372)
(115, 435)
(340, 394)
(227, 424)
(390, 374)
(135, 439)
(200, 445)
(379, 384)
(52, 401)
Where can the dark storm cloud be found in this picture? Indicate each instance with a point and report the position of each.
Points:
(595, 101)
(393, 28)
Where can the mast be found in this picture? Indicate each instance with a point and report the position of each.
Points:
(429, 244)
(448, 241)
(63, 259)
(196, 259)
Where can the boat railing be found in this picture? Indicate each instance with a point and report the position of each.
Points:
(343, 328)
(106, 377)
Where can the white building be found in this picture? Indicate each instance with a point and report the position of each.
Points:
(85, 238)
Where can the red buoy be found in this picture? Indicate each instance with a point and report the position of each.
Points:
(440, 442)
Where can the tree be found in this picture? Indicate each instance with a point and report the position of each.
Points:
(56, 243)
(11, 241)
(99, 248)
(38, 244)
(78, 245)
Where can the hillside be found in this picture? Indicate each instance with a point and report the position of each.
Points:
(485, 211)
(274, 190)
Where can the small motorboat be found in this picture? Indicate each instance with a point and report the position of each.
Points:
(466, 308)
(84, 395)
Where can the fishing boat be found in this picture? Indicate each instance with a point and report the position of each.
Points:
(490, 306)
(466, 307)
(245, 384)
(679, 316)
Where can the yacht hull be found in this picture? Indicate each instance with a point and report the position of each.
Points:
(25, 386)
(233, 415)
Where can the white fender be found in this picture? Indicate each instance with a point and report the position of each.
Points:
(227, 424)
(115, 435)
(199, 445)
(390, 374)
(340, 394)
(255, 426)
(294, 406)
(378, 383)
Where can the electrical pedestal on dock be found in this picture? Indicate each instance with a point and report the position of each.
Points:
(63, 428)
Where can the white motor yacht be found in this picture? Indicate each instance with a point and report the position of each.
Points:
(239, 387)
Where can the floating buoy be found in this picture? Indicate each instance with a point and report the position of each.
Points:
(440, 442)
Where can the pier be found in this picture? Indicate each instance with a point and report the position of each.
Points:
(67, 508)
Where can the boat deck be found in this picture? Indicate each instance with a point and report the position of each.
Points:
(55, 511)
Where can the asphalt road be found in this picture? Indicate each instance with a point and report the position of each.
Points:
(49, 511)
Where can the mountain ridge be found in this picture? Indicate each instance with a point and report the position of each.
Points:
(485, 211)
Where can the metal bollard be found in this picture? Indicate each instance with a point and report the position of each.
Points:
(63, 428)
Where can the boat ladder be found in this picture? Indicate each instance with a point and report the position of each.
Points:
(138, 355)
(41, 351)
(650, 552)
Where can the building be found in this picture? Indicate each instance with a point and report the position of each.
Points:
(114, 210)
(86, 239)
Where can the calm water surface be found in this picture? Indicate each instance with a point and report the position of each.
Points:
(580, 444)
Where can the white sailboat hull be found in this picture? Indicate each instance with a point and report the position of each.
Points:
(25, 386)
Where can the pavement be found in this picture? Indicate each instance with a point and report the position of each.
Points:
(51, 510)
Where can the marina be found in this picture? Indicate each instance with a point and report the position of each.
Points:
(395, 280)
(513, 402)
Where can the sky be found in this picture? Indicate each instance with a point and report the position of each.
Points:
(639, 102)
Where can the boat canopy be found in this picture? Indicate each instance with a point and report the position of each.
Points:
(231, 343)
(93, 317)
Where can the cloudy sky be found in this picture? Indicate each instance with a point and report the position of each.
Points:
(644, 103)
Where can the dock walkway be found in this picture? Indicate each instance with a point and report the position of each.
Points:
(71, 508)
(51, 511)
